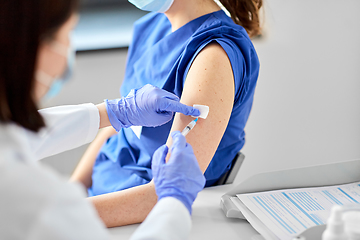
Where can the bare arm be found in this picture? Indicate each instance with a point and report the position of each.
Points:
(103, 115)
(84, 169)
(125, 207)
(209, 82)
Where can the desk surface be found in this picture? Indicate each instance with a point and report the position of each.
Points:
(209, 221)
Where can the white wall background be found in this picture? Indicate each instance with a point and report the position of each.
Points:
(307, 102)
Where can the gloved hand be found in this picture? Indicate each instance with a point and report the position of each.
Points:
(181, 176)
(148, 106)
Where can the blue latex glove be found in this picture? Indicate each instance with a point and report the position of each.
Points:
(181, 176)
(148, 106)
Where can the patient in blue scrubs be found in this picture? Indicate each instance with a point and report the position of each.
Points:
(204, 57)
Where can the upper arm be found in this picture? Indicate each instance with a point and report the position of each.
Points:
(210, 82)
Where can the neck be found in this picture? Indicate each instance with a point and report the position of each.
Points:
(183, 11)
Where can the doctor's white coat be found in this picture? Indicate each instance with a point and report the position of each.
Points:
(37, 204)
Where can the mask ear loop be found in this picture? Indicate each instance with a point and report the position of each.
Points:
(44, 78)
(59, 48)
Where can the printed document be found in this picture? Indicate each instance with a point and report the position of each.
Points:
(284, 214)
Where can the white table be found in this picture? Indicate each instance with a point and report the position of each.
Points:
(209, 221)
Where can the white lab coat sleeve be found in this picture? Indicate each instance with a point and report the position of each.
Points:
(169, 219)
(67, 127)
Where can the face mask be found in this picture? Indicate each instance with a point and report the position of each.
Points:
(55, 85)
(153, 5)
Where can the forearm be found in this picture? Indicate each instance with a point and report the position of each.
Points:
(125, 207)
(84, 169)
(172, 218)
(104, 118)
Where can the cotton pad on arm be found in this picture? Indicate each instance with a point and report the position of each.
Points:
(204, 110)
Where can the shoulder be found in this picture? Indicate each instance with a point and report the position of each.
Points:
(232, 38)
(221, 28)
(220, 41)
(212, 55)
(219, 22)
(212, 66)
(231, 69)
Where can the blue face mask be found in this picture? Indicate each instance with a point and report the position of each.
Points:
(56, 85)
(153, 5)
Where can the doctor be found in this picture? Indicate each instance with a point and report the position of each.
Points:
(35, 202)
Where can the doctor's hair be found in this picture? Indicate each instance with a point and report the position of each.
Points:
(245, 13)
(24, 25)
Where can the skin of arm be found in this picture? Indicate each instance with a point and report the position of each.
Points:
(104, 118)
(209, 82)
(84, 169)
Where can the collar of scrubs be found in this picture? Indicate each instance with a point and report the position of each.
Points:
(144, 66)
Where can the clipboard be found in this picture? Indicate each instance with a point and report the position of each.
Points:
(313, 176)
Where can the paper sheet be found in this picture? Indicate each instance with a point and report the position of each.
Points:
(287, 213)
(257, 224)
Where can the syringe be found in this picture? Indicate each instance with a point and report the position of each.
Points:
(190, 126)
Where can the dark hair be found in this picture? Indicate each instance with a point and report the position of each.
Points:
(245, 13)
(23, 26)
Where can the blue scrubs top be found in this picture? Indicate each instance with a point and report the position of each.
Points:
(162, 58)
